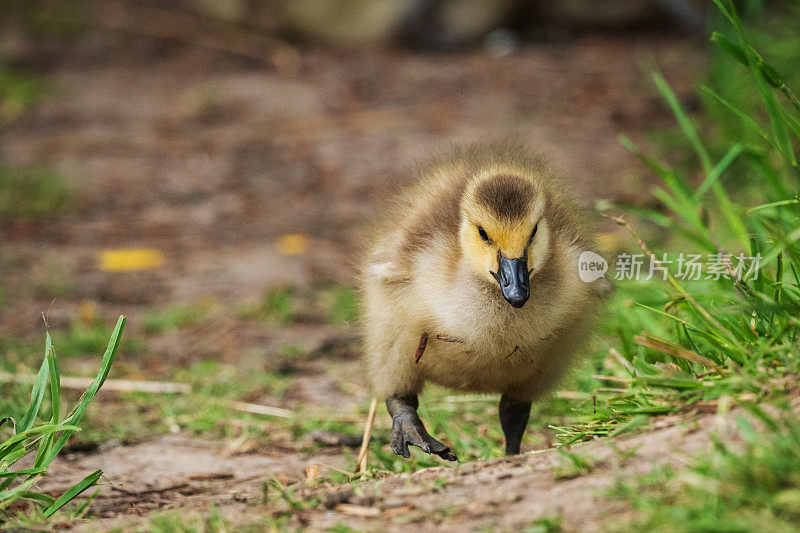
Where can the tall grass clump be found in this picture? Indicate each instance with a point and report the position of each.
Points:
(40, 443)
(680, 343)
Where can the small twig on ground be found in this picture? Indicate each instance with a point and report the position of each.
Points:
(116, 385)
(253, 408)
(336, 469)
(571, 395)
(210, 476)
(153, 387)
(624, 362)
(363, 454)
(613, 378)
(176, 486)
(358, 510)
(675, 350)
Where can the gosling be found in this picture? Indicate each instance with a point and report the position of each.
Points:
(472, 283)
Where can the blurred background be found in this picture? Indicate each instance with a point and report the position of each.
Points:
(233, 147)
(250, 142)
(209, 168)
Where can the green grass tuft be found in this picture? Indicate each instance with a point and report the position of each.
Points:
(45, 440)
(670, 344)
(18, 93)
(341, 304)
(176, 317)
(751, 483)
(29, 194)
(277, 306)
(182, 522)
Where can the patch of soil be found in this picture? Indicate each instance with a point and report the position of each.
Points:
(507, 493)
(179, 471)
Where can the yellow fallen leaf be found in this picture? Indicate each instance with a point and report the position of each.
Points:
(293, 244)
(312, 473)
(128, 259)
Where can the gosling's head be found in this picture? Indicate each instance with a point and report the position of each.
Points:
(504, 236)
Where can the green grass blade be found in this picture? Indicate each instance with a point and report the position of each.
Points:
(55, 386)
(37, 392)
(681, 203)
(780, 133)
(784, 244)
(684, 121)
(727, 207)
(776, 81)
(719, 342)
(730, 47)
(89, 481)
(23, 472)
(55, 395)
(13, 456)
(7, 497)
(763, 166)
(774, 111)
(88, 396)
(44, 429)
(37, 497)
(671, 202)
(660, 171)
(717, 171)
(793, 123)
(81, 509)
(723, 10)
(746, 120)
(671, 383)
(20, 444)
(771, 75)
(779, 203)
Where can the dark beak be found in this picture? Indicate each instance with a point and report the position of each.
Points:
(513, 277)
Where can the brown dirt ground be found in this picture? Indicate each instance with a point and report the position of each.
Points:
(506, 494)
(211, 157)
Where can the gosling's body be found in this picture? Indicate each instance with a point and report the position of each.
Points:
(475, 341)
(429, 277)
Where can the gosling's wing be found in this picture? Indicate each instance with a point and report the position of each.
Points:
(385, 265)
(422, 215)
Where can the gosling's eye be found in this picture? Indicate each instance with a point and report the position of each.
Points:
(483, 235)
(533, 233)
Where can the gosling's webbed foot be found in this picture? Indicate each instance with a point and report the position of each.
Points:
(407, 428)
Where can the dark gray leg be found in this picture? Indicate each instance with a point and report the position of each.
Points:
(514, 416)
(407, 429)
